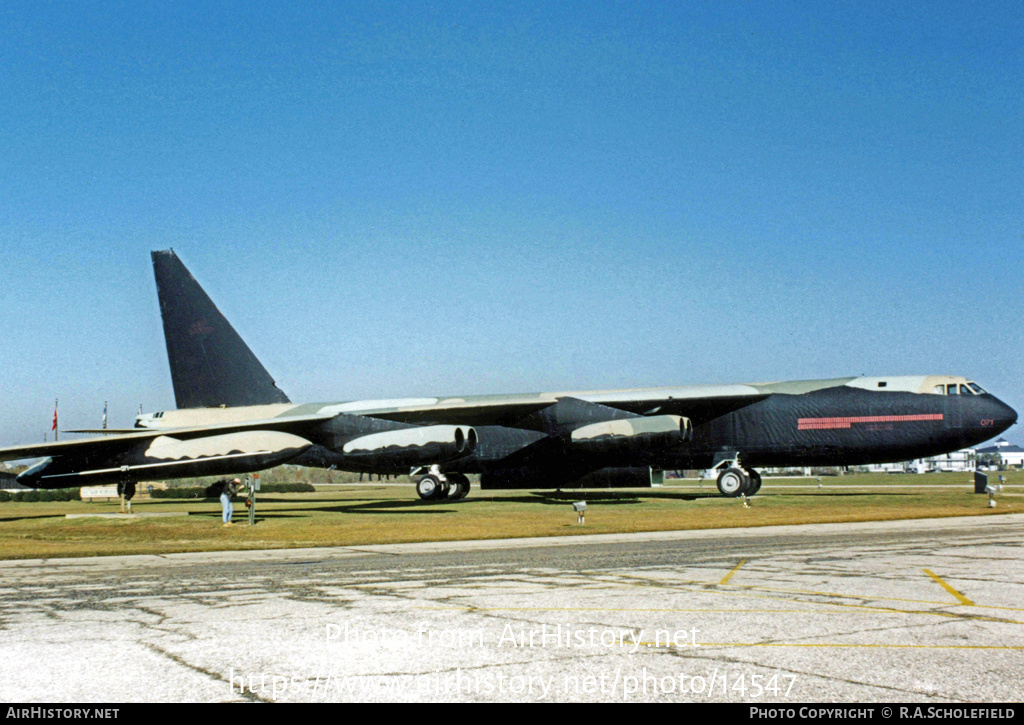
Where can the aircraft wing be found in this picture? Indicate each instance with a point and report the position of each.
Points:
(698, 403)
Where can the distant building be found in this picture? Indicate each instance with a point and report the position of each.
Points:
(965, 459)
(7, 481)
(1009, 455)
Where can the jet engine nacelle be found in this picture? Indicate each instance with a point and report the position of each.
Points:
(637, 477)
(632, 434)
(167, 457)
(409, 447)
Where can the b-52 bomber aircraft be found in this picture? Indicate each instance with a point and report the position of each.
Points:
(232, 418)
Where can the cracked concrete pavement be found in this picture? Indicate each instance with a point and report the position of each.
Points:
(927, 610)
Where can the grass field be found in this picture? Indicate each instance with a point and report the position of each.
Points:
(374, 513)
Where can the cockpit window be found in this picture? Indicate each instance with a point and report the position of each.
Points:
(978, 390)
(940, 390)
(964, 390)
(951, 390)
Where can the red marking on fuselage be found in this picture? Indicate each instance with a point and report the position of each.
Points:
(834, 423)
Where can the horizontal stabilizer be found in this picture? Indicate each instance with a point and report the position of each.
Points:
(103, 431)
(112, 445)
(167, 457)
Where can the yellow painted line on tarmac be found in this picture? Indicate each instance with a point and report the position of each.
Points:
(867, 596)
(744, 610)
(833, 608)
(951, 590)
(751, 593)
(876, 609)
(753, 587)
(641, 582)
(625, 642)
(732, 571)
(863, 646)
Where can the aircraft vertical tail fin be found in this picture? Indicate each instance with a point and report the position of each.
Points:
(210, 363)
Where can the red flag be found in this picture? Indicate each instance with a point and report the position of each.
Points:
(54, 417)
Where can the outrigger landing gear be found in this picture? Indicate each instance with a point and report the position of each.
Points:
(734, 480)
(433, 485)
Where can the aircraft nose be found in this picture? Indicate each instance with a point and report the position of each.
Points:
(1001, 415)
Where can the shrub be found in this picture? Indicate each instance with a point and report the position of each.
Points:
(824, 471)
(59, 494)
(288, 488)
(180, 492)
(208, 492)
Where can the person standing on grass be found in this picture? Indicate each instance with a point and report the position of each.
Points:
(227, 491)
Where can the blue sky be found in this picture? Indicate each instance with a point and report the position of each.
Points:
(411, 198)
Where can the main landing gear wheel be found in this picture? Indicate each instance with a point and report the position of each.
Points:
(755, 482)
(458, 486)
(430, 488)
(733, 482)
